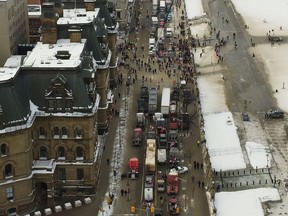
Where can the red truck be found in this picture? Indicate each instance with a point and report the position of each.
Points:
(133, 168)
(138, 137)
(172, 182)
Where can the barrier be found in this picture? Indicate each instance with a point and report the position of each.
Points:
(48, 211)
(58, 208)
(87, 200)
(37, 213)
(68, 206)
(78, 203)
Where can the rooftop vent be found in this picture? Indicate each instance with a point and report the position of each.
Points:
(62, 54)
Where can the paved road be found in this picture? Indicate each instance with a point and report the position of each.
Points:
(191, 197)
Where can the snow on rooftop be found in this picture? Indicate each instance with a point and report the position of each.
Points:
(43, 55)
(77, 16)
(7, 73)
(222, 142)
(247, 202)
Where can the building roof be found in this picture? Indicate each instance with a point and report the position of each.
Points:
(45, 55)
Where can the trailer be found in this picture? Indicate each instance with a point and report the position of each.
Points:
(165, 102)
(133, 168)
(150, 160)
(152, 103)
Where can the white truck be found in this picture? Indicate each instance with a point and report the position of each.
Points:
(151, 46)
(155, 7)
(165, 102)
(161, 156)
(160, 36)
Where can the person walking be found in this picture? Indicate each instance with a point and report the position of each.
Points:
(108, 161)
(122, 192)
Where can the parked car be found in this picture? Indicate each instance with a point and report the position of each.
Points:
(274, 38)
(245, 116)
(274, 114)
(169, 17)
(180, 169)
(149, 179)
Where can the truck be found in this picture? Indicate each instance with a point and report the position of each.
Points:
(141, 121)
(155, 7)
(150, 160)
(151, 46)
(162, 140)
(173, 123)
(152, 102)
(165, 102)
(173, 109)
(174, 156)
(160, 37)
(185, 118)
(161, 156)
(162, 7)
(155, 21)
(172, 182)
(160, 182)
(173, 206)
(133, 168)
(138, 137)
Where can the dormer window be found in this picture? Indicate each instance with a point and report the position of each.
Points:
(57, 97)
(4, 149)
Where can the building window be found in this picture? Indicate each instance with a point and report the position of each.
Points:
(79, 132)
(9, 193)
(42, 132)
(43, 152)
(56, 132)
(4, 149)
(80, 174)
(62, 174)
(61, 153)
(79, 153)
(64, 132)
(8, 173)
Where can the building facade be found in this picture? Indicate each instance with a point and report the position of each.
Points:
(13, 27)
(49, 129)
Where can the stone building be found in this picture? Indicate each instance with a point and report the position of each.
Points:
(14, 27)
(50, 102)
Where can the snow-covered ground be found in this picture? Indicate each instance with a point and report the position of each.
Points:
(270, 19)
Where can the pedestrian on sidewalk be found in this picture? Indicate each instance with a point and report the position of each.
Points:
(195, 164)
(193, 178)
(125, 192)
(198, 165)
(199, 183)
(122, 192)
(202, 184)
(108, 161)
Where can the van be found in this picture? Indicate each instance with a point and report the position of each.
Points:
(169, 32)
(148, 194)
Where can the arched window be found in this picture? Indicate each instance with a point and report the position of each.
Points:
(42, 132)
(64, 132)
(56, 132)
(79, 153)
(78, 132)
(8, 172)
(43, 152)
(61, 152)
(4, 149)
